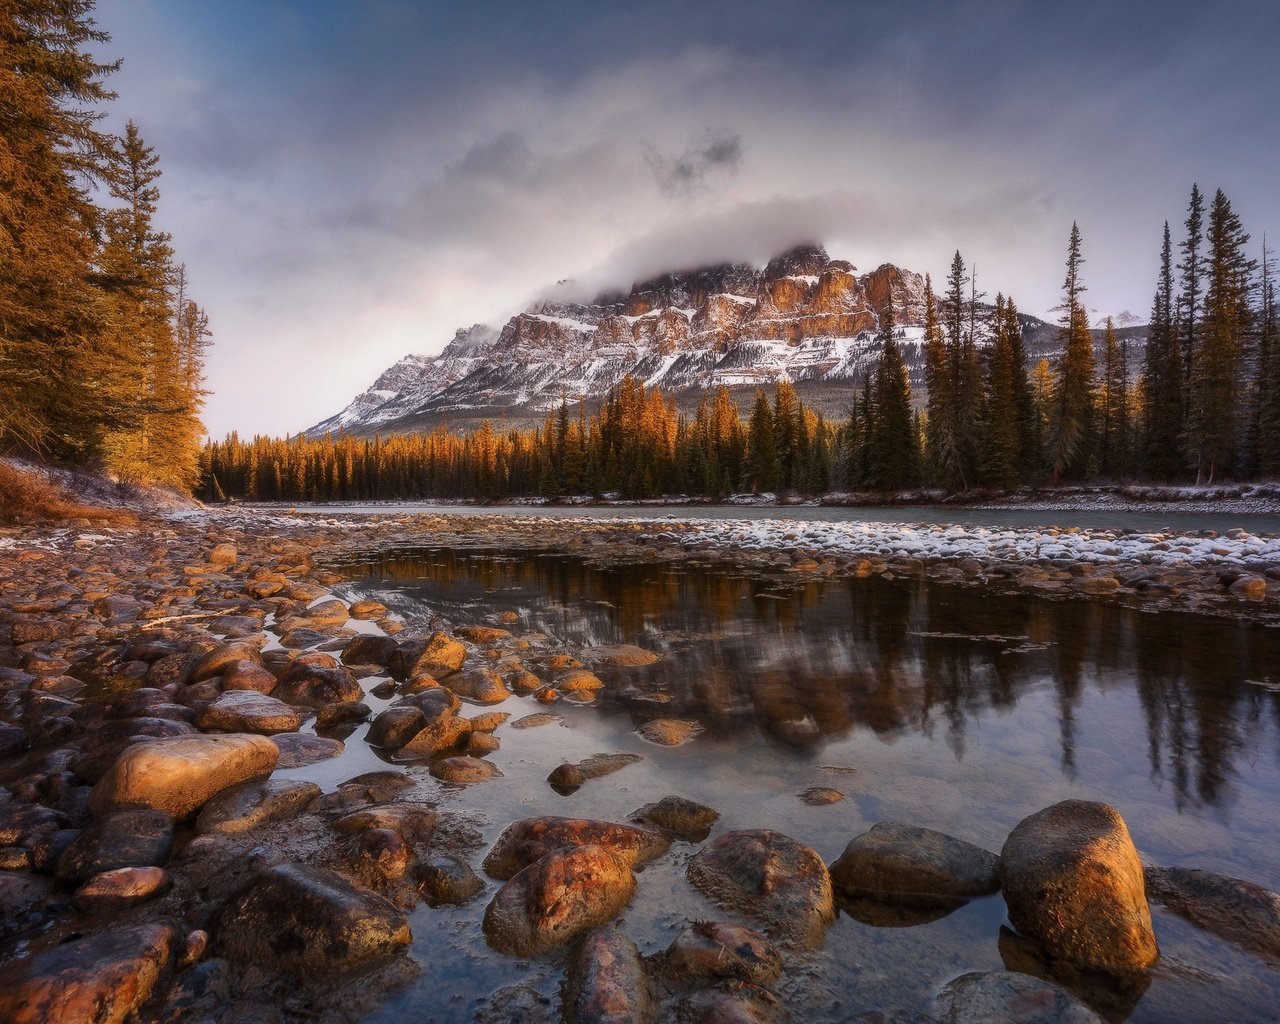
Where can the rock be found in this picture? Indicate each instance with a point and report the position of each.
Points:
(481, 685)
(707, 951)
(443, 878)
(328, 613)
(315, 683)
(821, 796)
(180, 774)
(416, 822)
(103, 978)
(579, 680)
(248, 711)
(464, 770)
(447, 732)
(769, 876)
(247, 675)
(12, 739)
(732, 1002)
(994, 996)
(115, 890)
(1239, 911)
(26, 904)
(368, 609)
(526, 841)
(220, 659)
(300, 919)
(1250, 588)
(607, 982)
(394, 727)
(341, 713)
(224, 556)
(517, 1004)
(124, 840)
(551, 902)
(441, 656)
(300, 749)
(1072, 881)
(914, 866)
(597, 766)
(482, 634)
(669, 732)
(251, 804)
(378, 857)
(619, 654)
(566, 778)
(683, 818)
(535, 720)
(480, 744)
(488, 721)
(368, 649)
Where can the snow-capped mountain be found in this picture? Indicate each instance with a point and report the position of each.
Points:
(804, 317)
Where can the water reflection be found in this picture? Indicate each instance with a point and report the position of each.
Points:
(807, 665)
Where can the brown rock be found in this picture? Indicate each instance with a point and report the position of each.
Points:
(481, 685)
(1072, 881)
(180, 774)
(464, 770)
(113, 891)
(914, 866)
(710, 950)
(1241, 912)
(526, 841)
(315, 680)
(607, 982)
(247, 675)
(123, 840)
(984, 997)
(441, 656)
(669, 732)
(251, 804)
(218, 660)
(620, 654)
(249, 711)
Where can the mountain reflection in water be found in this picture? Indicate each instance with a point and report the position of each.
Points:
(809, 663)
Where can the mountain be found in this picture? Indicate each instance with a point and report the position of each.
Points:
(803, 317)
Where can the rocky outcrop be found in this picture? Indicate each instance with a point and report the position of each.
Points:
(1073, 883)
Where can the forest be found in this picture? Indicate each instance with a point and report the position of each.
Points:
(101, 343)
(1199, 404)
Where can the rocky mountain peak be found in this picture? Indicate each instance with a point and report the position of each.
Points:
(807, 260)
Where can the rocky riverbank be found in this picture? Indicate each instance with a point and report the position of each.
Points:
(163, 858)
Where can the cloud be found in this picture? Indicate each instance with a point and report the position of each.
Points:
(720, 151)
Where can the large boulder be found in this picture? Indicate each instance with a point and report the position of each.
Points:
(914, 866)
(179, 774)
(124, 840)
(769, 876)
(299, 919)
(1241, 912)
(103, 978)
(552, 902)
(607, 982)
(526, 841)
(986, 997)
(1072, 881)
(249, 711)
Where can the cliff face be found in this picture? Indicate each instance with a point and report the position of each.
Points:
(804, 317)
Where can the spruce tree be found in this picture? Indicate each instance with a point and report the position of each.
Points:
(1163, 378)
(1113, 450)
(761, 464)
(939, 417)
(1214, 422)
(1000, 463)
(1190, 271)
(1071, 425)
(1268, 372)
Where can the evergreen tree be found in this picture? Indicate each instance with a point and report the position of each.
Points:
(1001, 446)
(1190, 270)
(1213, 423)
(761, 468)
(1268, 373)
(1072, 422)
(1163, 378)
(1113, 454)
(939, 417)
(893, 452)
(786, 434)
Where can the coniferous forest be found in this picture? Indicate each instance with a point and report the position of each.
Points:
(1199, 404)
(101, 344)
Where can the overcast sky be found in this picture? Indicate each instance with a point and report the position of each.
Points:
(349, 182)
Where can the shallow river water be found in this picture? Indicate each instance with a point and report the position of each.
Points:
(934, 704)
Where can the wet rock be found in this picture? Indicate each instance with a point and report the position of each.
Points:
(368, 609)
(15, 858)
(328, 613)
(607, 982)
(441, 656)
(1073, 882)
(553, 901)
(535, 720)
(983, 997)
(517, 1004)
(684, 819)
(394, 727)
(223, 556)
(446, 732)
(526, 841)
(489, 721)
(463, 770)
(299, 919)
(221, 658)
(707, 951)
(579, 681)
(124, 840)
(619, 654)
(416, 822)
(481, 685)
(443, 878)
(731, 1002)
(669, 732)
(247, 675)
(1241, 912)
(12, 739)
(251, 804)
(566, 778)
(249, 711)
(316, 680)
(113, 891)
(334, 716)
(769, 876)
(1250, 588)
(26, 904)
(104, 978)
(482, 634)
(914, 866)
(180, 774)
(21, 824)
(597, 766)
(300, 749)
(821, 796)
(368, 649)
(481, 744)
(378, 857)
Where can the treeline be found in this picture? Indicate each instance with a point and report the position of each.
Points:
(1204, 404)
(101, 346)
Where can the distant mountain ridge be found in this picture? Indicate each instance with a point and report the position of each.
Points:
(803, 317)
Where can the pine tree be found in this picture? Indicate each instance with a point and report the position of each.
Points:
(1072, 422)
(761, 468)
(939, 417)
(1163, 378)
(1113, 452)
(786, 437)
(893, 451)
(1001, 439)
(1213, 422)
(958, 453)
(52, 385)
(1268, 373)
(1190, 270)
